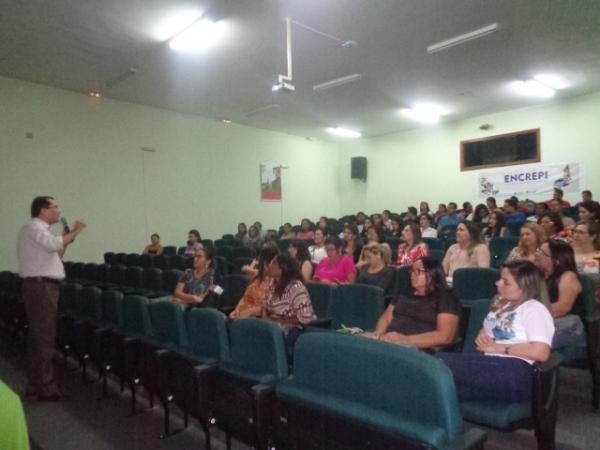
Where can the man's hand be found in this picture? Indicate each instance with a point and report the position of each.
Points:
(79, 225)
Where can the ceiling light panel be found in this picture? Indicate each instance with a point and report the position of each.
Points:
(425, 112)
(337, 82)
(532, 88)
(344, 132)
(198, 37)
(551, 80)
(175, 22)
(462, 38)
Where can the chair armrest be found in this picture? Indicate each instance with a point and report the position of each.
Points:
(226, 309)
(320, 323)
(545, 386)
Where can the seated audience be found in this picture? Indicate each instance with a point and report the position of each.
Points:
(491, 204)
(299, 251)
(154, 249)
(317, 251)
(557, 261)
(481, 216)
(413, 246)
(427, 231)
(410, 215)
(360, 221)
(242, 233)
(424, 209)
(376, 233)
(258, 225)
(305, 233)
(288, 302)
(367, 224)
(287, 232)
(352, 243)
(496, 226)
(324, 225)
(255, 240)
(377, 271)
(377, 220)
(517, 332)
(467, 210)
(558, 195)
(553, 226)
(589, 211)
(336, 268)
(396, 230)
(250, 305)
(532, 237)
(386, 219)
(441, 212)
(426, 318)
(586, 245)
(511, 212)
(196, 285)
(451, 218)
(555, 207)
(193, 243)
(586, 196)
(540, 209)
(468, 251)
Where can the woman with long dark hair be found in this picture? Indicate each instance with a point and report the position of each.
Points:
(557, 261)
(196, 285)
(193, 243)
(517, 332)
(496, 226)
(468, 251)
(250, 305)
(413, 246)
(298, 250)
(426, 318)
(352, 243)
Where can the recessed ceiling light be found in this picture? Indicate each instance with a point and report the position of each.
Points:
(226, 121)
(94, 94)
(425, 112)
(344, 132)
(532, 88)
(551, 80)
(199, 36)
(176, 22)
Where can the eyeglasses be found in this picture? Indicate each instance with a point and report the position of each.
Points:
(417, 271)
(541, 252)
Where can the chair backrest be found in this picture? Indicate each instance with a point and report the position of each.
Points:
(152, 279)
(178, 262)
(89, 271)
(356, 305)
(393, 242)
(69, 298)
(68, 265)
(225, 251)
(221, 265)
(407, 386)
(169, 250)
(207, 334)
(500, 247)
(257, 351)
(136, 317)
(438, 254)
(170, 279)
(234, 287)
(112, 307)
(146, 260)
(514, 228)
(102, 272)
(586, 306)
(78, 270)
(448, 233)
(479, 309)
(162, 262)
(117, 274)
(402, 285)
(239, 252)
(181, 250)
(228, 237)
(474, 283)
(434, 243)
(134, 276)
(109, 258)
(238, 263)
(133, 259)
(220, 243)
(168, 325)
(320, 297)
(121, 258)
(90, 304)
(283, 245)
(208, 243)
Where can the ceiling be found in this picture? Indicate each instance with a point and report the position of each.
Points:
(84, 44)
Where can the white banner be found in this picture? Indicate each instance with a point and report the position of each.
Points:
(530, 180)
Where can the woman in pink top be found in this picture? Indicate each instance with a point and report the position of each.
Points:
(413, 246)
(305, 232)
(336, 268)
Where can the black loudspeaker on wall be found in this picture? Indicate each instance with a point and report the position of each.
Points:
(359, 168)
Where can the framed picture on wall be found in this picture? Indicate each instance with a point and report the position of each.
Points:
(270, 181)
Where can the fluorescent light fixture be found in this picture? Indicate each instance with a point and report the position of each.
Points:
(532, 88)
(176, 22)
(337, 82)
(199, 36)
(554, 81)
(425, 112)
(344, 132)
(262, 109)
(461, 39)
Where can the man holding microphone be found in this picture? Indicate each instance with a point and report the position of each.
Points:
(40, 265)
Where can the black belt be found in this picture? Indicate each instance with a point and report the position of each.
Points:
(44, 280)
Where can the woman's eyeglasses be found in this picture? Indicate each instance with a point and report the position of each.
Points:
(417, 271)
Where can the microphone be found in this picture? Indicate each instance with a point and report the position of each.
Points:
(65, 225)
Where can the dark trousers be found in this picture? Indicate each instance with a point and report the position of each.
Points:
(481, 377)
(41, 304)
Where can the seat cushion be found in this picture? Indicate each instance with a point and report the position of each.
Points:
(495, 414)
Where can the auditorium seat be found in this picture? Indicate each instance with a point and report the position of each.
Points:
(169, 250)
(470, 284)
(320, 297)
(500, 247)
(434, 243)
(240, 252)
(112, 319)
(234, 287)
(133, 259)
(238, 263)
(87, 320)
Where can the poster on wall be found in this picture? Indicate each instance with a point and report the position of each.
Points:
(530, 180)
(270, 181)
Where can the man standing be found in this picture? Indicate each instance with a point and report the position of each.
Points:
(40, 265)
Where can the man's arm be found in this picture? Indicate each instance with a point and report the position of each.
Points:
(69, 237)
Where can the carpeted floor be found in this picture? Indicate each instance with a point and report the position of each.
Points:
(82, 422)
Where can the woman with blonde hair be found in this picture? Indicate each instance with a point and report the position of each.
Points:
(377, 270)
(532, 238)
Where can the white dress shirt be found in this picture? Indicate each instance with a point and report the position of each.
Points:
(38, 249)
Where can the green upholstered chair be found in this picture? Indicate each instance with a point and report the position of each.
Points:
(539, 413)
(243, 252)
(67, 311)
(234, 287)
(346, 392)
(587, 357)
(238, 263)
(87, 320)
(474, 283)
(170, 279)
(434, 243)
(244, 384)
(221, 265)
(13, 427)
(500, 247)
(170, 250)
(112, 319)
(402, 284)
(320, 297)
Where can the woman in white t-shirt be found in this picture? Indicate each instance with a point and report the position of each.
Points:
(317, 251)
(517, 332)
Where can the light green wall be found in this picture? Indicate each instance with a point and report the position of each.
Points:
(424, 164)
(204, 174)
